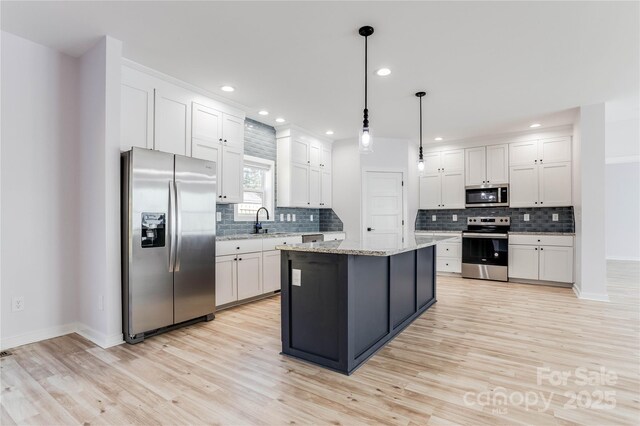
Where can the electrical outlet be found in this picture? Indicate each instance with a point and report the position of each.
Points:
(293, 217)
(311, 217)
(288, 217)
(219, 216)
(526, 217)
(17, 303)
(554, 217)
(455, 217)
(281, 217)
(433, 218)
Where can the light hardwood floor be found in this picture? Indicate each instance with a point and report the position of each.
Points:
(481, 338)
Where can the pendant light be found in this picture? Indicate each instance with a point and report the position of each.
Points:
(420, 156)
(366, 143)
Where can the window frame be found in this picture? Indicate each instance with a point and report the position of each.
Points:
(269, 191)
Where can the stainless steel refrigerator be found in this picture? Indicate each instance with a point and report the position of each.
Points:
(168, 242)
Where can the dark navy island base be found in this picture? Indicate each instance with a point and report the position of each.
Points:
(339, 309)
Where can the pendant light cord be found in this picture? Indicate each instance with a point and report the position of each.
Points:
(365, 122)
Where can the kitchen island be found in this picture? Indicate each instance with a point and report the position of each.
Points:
(344, 300)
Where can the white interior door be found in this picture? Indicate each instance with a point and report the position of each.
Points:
(383, 209)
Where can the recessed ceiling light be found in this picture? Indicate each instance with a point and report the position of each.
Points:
(227, 88)
(438, 138)
(328, 132)
(263, 112)
(534, 125)
(382, 72)
(279, 120)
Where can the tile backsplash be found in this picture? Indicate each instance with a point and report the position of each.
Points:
(260, 141)
(540, 219)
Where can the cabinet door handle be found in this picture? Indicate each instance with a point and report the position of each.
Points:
(536, 248)
(541, 248)
(237, 248)
(219, 196)
(225, 141)
(541, 202)
(535, 161)
(370, 229)
(224, 196)
(535, 202)
(240, 259)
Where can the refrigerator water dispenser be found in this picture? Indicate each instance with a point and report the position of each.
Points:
(153, 229)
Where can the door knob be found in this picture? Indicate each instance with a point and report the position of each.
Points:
(370, 229)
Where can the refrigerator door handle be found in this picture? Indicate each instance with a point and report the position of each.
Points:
(172, 226)
(178, 228)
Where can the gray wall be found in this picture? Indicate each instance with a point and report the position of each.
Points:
(260, 141)
(539, 221)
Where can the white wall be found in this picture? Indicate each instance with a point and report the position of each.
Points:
(346, 185)
(347, 168)
(590, 216)
(39, 187)
(623, 211)
(100, 316)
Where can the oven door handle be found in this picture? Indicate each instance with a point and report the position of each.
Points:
(486, 236)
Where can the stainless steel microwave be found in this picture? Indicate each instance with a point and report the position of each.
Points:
(487, 196)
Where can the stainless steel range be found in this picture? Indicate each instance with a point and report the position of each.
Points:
(485, 248)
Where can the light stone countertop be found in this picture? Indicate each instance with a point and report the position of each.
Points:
(272, 235)
(510, 232)
(542, 233)
(360, 248)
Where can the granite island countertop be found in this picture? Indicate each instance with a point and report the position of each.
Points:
(272, 235)
(362, 248)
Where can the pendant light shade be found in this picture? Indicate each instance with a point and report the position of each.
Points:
(366, 142)
(420, 95)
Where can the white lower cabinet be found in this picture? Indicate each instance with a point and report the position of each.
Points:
(449, 254)
(523, 262)
(271, 270)
(226, 288)
(541, 258)
(249, 275)
(556, 264)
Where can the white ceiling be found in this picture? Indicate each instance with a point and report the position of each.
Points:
(487, 66)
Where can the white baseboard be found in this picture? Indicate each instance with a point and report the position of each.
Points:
(599, 297)
(100, 339)
(36, 336)
(88, 333)
(626, 259)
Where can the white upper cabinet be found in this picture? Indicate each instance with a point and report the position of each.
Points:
(430, 191)
(452, 190)
(315, 153)
(231, 181)
(219, 137)
(452, 161)
(325, 199)
(523, 186)
(475, 166)
(172, 121)
(300, 151)
(304, 169)
(431, 163)
(326, 156)
(540, 173)
(136, 112)
(207, 123)
(315, 187)
(523, 153)
(555, 150)
(233, 131)
(442, 182)
(554, 184)
(497, 164)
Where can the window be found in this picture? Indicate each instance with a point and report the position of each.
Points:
(258, 189)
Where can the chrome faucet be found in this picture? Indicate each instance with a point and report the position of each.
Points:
(258, 225)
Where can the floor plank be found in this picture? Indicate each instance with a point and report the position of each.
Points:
(468, 360)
